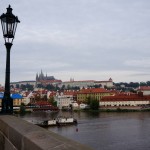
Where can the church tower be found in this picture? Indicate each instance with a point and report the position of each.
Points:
(37, 78)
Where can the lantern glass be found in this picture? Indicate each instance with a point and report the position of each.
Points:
(9, 24)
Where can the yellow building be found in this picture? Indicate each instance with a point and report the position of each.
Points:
(17, 99)
(96, 93)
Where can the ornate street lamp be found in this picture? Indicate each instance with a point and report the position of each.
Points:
(9, 24)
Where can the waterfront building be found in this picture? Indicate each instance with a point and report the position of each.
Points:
(125, 100)
(64, 99)
(96, 93)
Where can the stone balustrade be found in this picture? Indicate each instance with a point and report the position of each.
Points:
(18, 134)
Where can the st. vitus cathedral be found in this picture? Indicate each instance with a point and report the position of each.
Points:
(42, 77)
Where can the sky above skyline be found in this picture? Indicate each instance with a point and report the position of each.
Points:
(80, 39)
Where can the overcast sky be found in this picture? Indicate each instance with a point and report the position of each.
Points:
(80, 39)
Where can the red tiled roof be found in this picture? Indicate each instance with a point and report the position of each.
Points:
(50, 81)
(133, 97)
(70, 92)
(93, 90)
(40, 103)
(52, 94)
(144, 88)
(101, 81)
(80, 81)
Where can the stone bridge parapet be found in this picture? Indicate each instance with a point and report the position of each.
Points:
(18, 134)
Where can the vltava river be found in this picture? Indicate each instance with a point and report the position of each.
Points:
(105, 131)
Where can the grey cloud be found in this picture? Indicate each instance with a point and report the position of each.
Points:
(79, 36)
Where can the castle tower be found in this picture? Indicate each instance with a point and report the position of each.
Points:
(41, 76)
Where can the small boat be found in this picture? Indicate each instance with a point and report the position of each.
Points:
(58, 122)
(47, 123)
(65, 121)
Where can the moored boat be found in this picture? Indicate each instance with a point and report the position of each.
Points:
(65, 121)
(58, 122)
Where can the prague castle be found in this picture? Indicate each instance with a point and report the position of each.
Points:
(41, 77)
(45, 80)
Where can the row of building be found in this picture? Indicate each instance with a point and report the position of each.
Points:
(106, 98)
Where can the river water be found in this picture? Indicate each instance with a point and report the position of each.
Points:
(105, 131)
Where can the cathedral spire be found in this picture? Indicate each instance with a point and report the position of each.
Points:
(37, 77)
(41, 72)
(46, 75)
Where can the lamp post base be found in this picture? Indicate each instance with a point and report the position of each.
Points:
(7, 105)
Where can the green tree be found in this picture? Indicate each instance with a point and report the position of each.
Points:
(143, 84)
(17, 86)
(68, 87)
(148, 83)
(88, 100)
(92, 102)
(40, 86)
(63, 87)
(29, 87)
(50, 87)
(52, 101)
(94, 105)
(23, 87)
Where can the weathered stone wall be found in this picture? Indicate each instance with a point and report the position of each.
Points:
(18, 134)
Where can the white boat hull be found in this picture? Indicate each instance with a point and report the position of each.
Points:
(58, 122)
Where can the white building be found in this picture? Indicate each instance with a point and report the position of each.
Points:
(63, 101)
(26, 97)
(86, 83)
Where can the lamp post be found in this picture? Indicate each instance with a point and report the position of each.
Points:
(9, 24)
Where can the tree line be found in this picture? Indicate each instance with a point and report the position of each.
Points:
(132, 84)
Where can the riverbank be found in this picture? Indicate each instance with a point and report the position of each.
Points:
(106, 109)
(125, 109)
(116, 109)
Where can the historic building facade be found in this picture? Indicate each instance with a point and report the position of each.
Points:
(96, 93)
(128, 99)
(86, 83)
